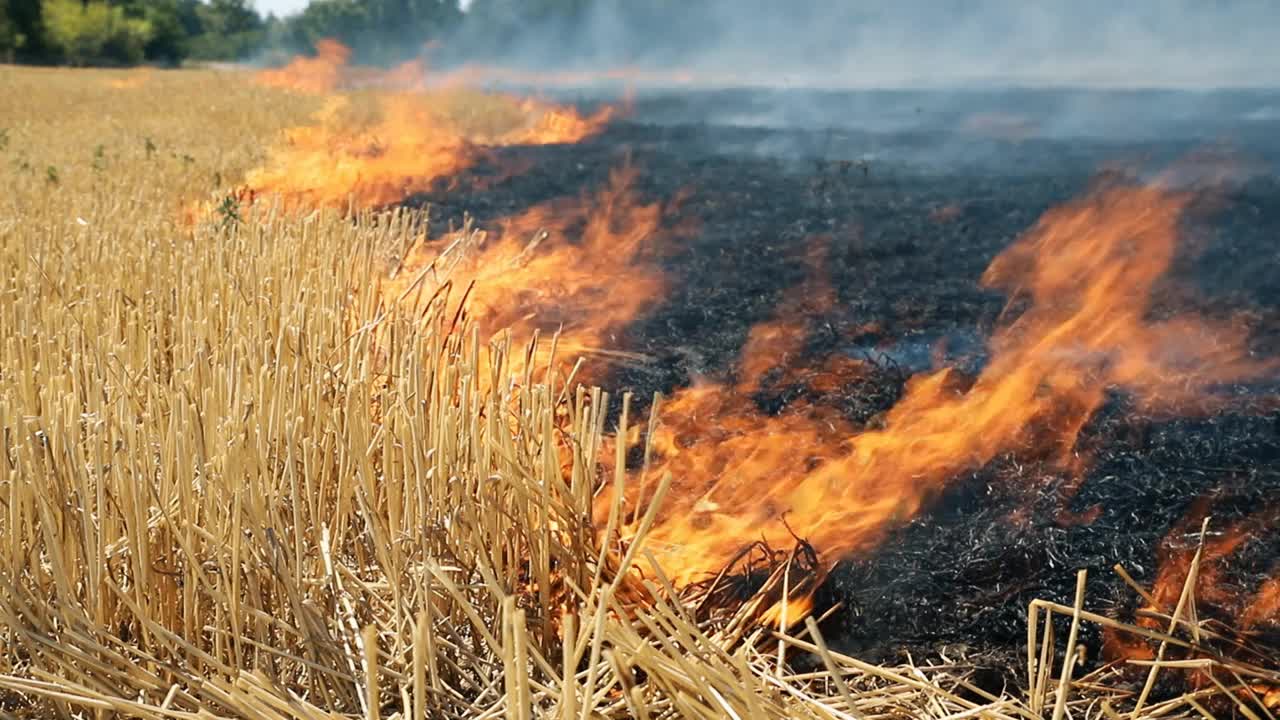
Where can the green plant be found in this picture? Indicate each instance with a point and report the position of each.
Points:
(229, 211)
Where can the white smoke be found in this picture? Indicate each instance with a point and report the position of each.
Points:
(920, 43)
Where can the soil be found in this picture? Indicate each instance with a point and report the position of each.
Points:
(914, 210)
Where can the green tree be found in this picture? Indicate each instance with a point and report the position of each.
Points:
(341, 20)
(380, 31)
(8, 35)
(229, 17)
(169, 33)
(93, 33)
(230, 29)
(27, 27)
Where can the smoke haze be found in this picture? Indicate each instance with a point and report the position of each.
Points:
(910, 43)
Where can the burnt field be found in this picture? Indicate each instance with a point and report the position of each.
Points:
(910, 205)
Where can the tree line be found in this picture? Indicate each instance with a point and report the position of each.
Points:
(130, 32)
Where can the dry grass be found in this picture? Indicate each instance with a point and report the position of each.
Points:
(219, 497)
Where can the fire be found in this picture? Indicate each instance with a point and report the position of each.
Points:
(1212, 592)
(1085, 275)
(317, 75)
(1264, 607)
(374, 161)
(779, 341)
(580, 267)
(394, 137)
(1241, 611)
(132, 80)
(328, 72)
(378, 155)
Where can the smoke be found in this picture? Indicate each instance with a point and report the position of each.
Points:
(902, 44)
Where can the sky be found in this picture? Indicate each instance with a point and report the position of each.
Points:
(279, 8)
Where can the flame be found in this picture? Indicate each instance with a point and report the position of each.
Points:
(1212, 594)
(317, 75)
(1271, 697)
(394, 137)
(401, 143)
(778, 342)
(793, 612)
(1085, 274)
(374, 161)
(132, 80)
(1212, 591)
(576, 266)
(1264, 607)
(329, 70)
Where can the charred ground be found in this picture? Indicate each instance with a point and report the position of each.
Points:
(912, 217)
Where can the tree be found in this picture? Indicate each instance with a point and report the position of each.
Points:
(170, 26)
(379, 31)
(230, 29)
(94, 33)
(27, 27)
(229, 17)
(341, 20)
(8, 35)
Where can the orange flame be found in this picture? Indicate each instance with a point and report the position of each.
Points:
(411, 141)
(329, 71)
(133, 80)
(1264, 607)
(578, 267)
(1087, 271)
(1212, 591)
(317, 75)
(785, 616)
(395, 138)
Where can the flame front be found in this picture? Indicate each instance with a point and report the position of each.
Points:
(317, 75)
(390, 137)
(580, 267)
(1085, 274)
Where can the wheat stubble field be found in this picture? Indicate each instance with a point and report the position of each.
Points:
(241, 478)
